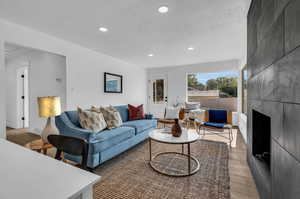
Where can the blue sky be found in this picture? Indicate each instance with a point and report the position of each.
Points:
(203, 77)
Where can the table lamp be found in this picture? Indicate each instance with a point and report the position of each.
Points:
(49, 107)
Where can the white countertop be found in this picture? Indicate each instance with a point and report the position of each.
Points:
(31, 175)
(164, 135)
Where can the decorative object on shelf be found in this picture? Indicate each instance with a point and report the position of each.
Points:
(113, 83)
(176, 129)
(49, 107)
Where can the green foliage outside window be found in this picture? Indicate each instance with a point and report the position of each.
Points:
(226, 85)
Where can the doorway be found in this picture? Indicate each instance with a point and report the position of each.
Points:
(157, 98)
(17, 95)
(30, 73)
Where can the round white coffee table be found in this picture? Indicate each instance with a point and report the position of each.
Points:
(165, 136)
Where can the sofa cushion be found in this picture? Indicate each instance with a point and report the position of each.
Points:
(123, 110)
(73, 117)
(141, 125)
(108, 138)
(216, 125)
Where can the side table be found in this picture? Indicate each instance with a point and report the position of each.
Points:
(39, 146)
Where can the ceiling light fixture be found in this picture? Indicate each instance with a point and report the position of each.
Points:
(150, 55)
(191, 48)
(163, 9)
(103, 29)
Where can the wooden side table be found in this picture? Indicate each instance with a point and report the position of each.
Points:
(39, 146)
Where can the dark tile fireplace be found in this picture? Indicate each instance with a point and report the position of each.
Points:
(273, 126)
(261, 138)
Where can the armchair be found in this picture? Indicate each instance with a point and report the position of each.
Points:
(216, 120)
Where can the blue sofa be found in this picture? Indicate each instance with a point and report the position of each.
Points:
(105, 144)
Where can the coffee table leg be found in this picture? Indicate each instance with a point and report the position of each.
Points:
(182, 148)
(150, 150)
(189, 158)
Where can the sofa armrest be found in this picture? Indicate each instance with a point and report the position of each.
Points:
(149, 116)
(67, 128)
(85, 134)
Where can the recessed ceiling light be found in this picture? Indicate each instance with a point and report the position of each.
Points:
(103, 29)
(163, 9)
(191, 48)
(150, 55)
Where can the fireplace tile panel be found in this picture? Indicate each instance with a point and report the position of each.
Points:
(289, 77)
(285, 174)
(266, 19)
(279, 6)
(291, 126)
(269, 83)
(270, 48)
(273, 65)
(292, 26)
(275, 111)
(261, 178)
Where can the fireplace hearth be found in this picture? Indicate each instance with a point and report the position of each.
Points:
(261, 139)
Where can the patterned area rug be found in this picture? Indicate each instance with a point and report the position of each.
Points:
(129, 175)
(21, 136)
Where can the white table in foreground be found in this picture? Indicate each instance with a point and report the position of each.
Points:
(165, 136)
(28, 174)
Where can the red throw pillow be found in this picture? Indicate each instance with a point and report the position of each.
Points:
(136, 113)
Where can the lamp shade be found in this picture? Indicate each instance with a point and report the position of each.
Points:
(49, 106)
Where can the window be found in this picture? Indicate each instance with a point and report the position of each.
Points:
(213, 90)
(244, 90)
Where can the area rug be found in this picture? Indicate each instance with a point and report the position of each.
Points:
(129, 175)
(21, 136)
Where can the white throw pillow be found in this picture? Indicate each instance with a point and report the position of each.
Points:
(172, 113)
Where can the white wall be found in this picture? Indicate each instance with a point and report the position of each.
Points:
(47, 77)
(177, 76)
(242, 116)
(11, 96)
(2, 89)
(85, 69)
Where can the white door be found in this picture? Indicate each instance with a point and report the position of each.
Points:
(157, 97)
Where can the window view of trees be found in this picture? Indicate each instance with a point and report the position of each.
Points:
(226, 85)
(214, 90)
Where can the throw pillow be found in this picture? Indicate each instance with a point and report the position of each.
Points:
(136, 113)
(91, 120)
(172, 112)
(111, 115)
